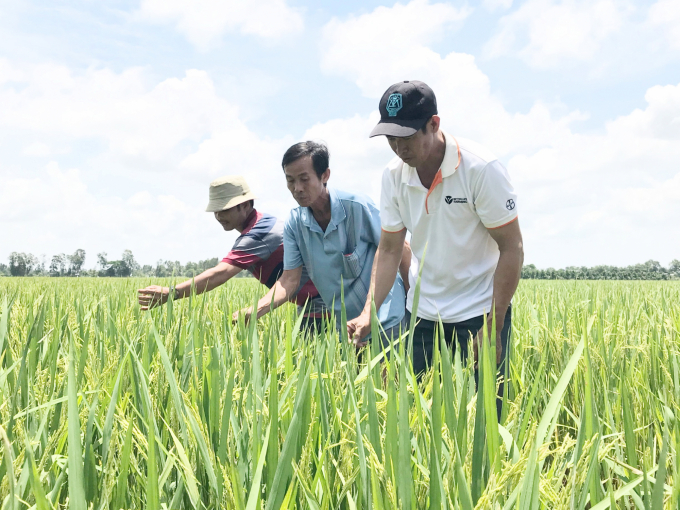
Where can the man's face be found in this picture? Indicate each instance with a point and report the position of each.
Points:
(302, 181)
(231, 218)
(415, 149)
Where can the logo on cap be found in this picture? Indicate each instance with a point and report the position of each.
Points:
(393, 104)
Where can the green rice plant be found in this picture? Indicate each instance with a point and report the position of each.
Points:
(105, 406)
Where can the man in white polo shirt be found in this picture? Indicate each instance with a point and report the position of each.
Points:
(454, 197)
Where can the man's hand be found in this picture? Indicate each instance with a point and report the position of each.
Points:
(246, 312)
(152, 296)
(155, 295)
(358, 329)
(479, 338)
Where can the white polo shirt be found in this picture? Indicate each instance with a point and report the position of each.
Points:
(470, 194)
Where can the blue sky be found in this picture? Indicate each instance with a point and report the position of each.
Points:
(115, 117)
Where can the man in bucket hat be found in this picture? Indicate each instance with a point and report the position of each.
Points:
(455, 197)
(259, 249)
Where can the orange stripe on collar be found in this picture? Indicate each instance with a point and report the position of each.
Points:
(438, 177)
(435, 183)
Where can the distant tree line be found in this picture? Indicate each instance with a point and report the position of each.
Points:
(27, 264)
(650, 270)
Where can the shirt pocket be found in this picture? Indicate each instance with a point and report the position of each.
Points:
(351, 267)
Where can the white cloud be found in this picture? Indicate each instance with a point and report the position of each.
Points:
(204, 22)
(496, 5)
(665, 14)
(464, 98)
(639, 148)
(614, 194)
(56, 212)
(8, 72)
(660, 120)
(37, 149)
(545, 33)
(133, 117)
(607, 196)
(386, 42)
(156, 141)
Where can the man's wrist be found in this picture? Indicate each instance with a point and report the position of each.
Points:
(365, 315)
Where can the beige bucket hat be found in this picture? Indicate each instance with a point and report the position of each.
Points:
(228, 192)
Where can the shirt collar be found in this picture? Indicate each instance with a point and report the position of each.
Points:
(251, 220)
(450, 164)
(407, 175)
(451, 156)
(338, 214)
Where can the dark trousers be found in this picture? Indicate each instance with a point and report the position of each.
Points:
(423, 343)
(312, 325)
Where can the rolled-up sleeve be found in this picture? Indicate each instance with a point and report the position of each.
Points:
(292, 257)
(390, 217)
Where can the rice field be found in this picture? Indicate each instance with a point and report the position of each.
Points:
(103, 406)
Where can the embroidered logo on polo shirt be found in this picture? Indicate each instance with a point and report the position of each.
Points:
(394, 104)
(449, 199)
(510, 204)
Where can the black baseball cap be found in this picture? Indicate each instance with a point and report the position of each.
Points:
(404, 109)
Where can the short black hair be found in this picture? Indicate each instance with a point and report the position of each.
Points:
(424, 128)
(318, 151)
(251, 202)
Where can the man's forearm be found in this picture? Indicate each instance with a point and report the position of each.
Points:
(204, 282)
(506, 279)
(405, 264)
(279, 294)
(391, 251)
(385, 265)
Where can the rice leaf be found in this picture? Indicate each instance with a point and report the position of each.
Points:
(255, 487)
(187, 470)
(404, 473)
(76, 489)
(41, 501)
(529, 495)
(8, 454)
(284, 468)
(111, 410)
(121, 485)
(152, 497)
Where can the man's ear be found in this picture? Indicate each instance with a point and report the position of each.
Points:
(435, 122)
(325, 176)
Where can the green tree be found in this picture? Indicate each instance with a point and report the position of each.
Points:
(21, 264)
(76, 262)
(128, 260)
(120, 268)
(102, 261)
(58, 265)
